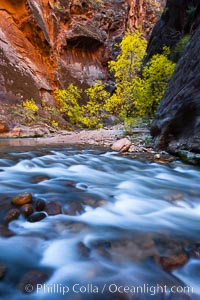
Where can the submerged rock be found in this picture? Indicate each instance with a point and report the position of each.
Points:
(83, 250)
(11, 215)
(73, 209)
(5, 232)
(30, 280)
(169, 263)
(3, 270)
(53, 208)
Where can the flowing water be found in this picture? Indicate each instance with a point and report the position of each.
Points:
(132, 211)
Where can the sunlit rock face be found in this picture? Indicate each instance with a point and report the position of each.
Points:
(45, 44)
(177, 122)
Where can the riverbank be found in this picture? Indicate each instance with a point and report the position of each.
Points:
(139, 139)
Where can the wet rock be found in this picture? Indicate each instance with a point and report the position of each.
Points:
(171, 251)
(3, 270)
(36, 217)
(11, 215)
(73, 209)
(53, 208)
(101, 248)
(3, 127)
(121, 145)
(27, 209)
(38, 179)
(22, 199)
(89, 202)
(137, 249)
(5, 232)
(174, 197)
(175, 261)
(40, 205)
(83, 250)
(101, 244)
(30, 280)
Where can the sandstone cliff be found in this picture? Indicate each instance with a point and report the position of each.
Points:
(45, 44)
(177, 121)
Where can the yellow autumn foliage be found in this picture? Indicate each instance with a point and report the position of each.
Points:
(138, 89)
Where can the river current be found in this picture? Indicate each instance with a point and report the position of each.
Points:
(131, 212)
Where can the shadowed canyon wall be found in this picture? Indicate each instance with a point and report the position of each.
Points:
(177, 122)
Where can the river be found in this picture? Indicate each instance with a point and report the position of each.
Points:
(129, 214)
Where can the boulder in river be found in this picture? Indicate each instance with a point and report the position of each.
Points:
(121, 145)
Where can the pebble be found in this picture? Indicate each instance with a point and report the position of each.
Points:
(53, 208)
(36, 217)
(22, 199)
(11, 215)
(27, 209)
(40, 204)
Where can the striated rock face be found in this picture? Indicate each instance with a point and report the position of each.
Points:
(180, 17)
(45, 44)
(144, 14)
(177, 121)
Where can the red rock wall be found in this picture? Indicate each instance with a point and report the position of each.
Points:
(45, 44)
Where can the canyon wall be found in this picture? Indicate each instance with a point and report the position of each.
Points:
(177, 122)
(45, 44)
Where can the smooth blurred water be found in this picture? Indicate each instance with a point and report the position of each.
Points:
(131, 200)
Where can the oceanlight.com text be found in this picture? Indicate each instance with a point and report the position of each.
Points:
(112, 288)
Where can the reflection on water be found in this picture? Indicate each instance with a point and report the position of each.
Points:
(132, 213)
